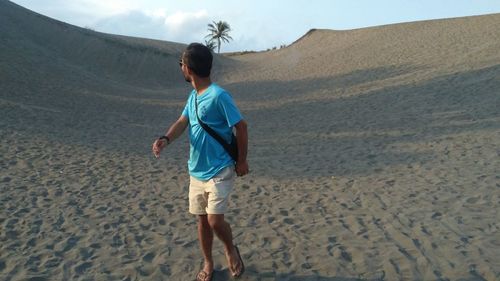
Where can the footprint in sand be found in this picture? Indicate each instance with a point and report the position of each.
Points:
(149, 257)
(37, 278)
(344, 254)
(165, 269)
(424, 230)
(117, 241)
(436, 215)
(145, 271)
(71, 243)
(53, 262)
(80, 269)
(472, 200)
(32, 264)
(332, 242)
(31, 243)
(86, 253)
(306, 265)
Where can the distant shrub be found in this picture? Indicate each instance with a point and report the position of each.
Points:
(240, 53)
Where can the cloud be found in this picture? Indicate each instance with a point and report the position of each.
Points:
(187, 27)
(102, 8)
(133, 23)
(182, 27)
(148, 19)
(182, 21)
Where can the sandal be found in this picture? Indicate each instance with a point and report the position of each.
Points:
(241, 262)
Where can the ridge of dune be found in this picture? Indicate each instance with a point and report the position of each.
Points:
(433, 44)
(466, 20)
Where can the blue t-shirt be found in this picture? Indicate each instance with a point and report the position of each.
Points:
(216, 108)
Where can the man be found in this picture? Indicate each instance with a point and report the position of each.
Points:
(212, 170)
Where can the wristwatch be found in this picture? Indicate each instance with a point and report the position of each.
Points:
(165, 138)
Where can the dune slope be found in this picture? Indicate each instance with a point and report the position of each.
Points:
(373, 154)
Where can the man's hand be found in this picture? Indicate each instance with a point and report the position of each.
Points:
(158, 145)
(241, 168)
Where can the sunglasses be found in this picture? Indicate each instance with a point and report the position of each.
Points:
(181, 63)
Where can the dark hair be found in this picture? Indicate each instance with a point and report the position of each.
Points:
(198, 58)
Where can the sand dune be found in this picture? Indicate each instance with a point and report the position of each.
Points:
(373, 153)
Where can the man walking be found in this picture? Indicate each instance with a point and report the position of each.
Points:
(212, 170)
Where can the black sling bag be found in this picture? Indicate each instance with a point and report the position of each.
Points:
(231, 149)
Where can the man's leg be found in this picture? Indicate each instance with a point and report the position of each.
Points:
(206, 238)
(223, 231)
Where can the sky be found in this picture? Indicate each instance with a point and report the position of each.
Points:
(255, 24)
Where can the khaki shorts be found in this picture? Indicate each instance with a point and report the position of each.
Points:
(211, 197)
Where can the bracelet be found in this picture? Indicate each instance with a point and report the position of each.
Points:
(165, 138)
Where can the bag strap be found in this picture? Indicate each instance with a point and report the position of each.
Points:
(211, 132)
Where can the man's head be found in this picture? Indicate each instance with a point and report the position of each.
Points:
(198, 58)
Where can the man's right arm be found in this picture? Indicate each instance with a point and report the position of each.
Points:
(177, 128)
(173, 133)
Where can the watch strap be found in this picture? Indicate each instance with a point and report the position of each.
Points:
(165, 138)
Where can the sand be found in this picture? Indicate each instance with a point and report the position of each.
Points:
(373, 155)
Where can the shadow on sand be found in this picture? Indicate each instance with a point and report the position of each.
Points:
(360, 134)
(353, 134)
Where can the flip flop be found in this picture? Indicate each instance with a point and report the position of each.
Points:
(203, 276)
(241, 262)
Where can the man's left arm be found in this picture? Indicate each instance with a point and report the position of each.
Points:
(242, 141)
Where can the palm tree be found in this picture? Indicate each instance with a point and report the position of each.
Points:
(219, 31)
(210, 44)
